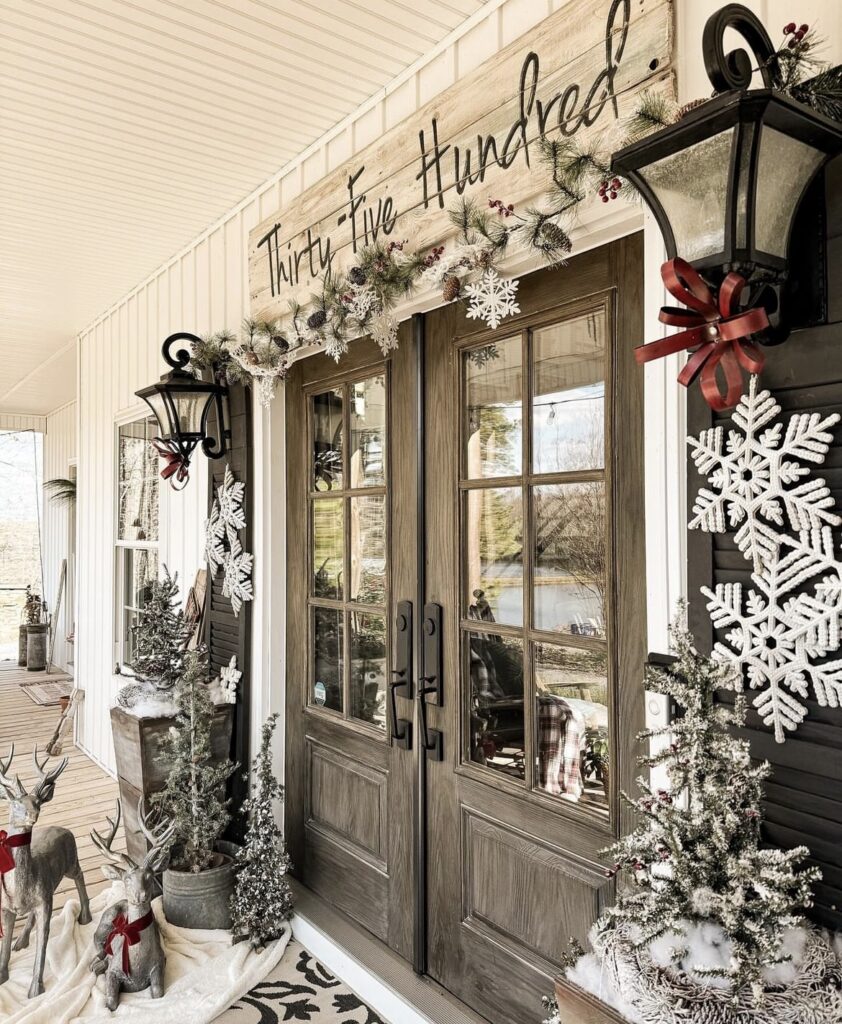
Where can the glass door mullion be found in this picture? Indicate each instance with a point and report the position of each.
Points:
(346, 544)
(529, 724)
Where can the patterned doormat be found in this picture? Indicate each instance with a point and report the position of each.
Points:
(49, 693)
(299, 989)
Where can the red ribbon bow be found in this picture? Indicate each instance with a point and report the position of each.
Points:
(716, 326)
(7, 860)
(130, 933)
(177, 465)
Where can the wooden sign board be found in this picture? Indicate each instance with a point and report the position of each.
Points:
(576, 75)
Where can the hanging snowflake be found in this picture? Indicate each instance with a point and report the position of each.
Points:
(237, 585)
(229, 498)
(229, 677)
(492, 298)
(336, 347)
(779, 633)
(214, 540)
(265, 376)
(361, 301)
(756, 477)
(384, 331)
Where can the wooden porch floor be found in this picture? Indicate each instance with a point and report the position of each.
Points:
(84, 793)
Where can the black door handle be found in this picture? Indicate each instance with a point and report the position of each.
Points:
(402, 683)
(401, 727)
(432, 740)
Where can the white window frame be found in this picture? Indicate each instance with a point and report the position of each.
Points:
(122, 547)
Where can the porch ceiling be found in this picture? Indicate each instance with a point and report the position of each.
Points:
(129, 126)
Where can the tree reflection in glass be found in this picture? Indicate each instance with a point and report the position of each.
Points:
(327, 441)
(494, 551)
(493, 387)
(497, 719)
(368, 668)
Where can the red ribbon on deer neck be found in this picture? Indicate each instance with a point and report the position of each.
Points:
(7, 860)
(715, 327)
(177, 466)
(130, 932)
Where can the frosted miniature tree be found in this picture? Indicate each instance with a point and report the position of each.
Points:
(262, 900)
(160, 634)
(194, 795)
(695, 855)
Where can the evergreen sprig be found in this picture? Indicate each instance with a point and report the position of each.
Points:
(262, 900)
(160, 634)
(653, 112)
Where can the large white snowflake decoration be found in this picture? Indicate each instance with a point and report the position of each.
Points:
(384, 332)
(492, 298)
(335, 347)
(229, 501)
(265, 376)
(780, 634)
(236, 584)
(214, 540)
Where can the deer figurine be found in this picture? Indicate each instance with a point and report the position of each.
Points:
(32, 866)
(128, 946)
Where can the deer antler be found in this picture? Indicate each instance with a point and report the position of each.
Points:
(13, 787)
(157, 828)
(47, 780)
(104, 844)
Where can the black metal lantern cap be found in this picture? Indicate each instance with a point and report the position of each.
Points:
(182, 403)
(725, 182)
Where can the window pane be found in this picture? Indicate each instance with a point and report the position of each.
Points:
(328, 545)
(368, 432)
(495, 667)
(328, 660)
(368, 668)
(494, 548)
(327, 441)
(571, 714)
(569, 395)
(368, 550)
(493, 387)
(570, 571)
(141, 569)
(137, 482)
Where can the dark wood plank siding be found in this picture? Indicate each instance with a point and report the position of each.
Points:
(804, 797)
(225, 634)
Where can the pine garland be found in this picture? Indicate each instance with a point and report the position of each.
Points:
(696, 854)
(194, 795)
(160, 634)
(262, 901)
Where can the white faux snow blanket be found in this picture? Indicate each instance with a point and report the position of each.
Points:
(205, 974)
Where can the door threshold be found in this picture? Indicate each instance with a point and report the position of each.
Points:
(376, 973)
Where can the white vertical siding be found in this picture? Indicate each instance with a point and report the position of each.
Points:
(22, 421)
(59, 454)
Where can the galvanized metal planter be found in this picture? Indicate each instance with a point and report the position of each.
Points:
(202, 899)
(36, 646)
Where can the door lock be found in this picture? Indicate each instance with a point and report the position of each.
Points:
(401, 685)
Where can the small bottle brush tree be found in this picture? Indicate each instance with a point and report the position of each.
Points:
(262, 900)
(695, 855)
(194, 796)
(160, 635)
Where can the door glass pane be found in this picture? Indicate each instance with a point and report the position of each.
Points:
(493, 538)
(569, 395)
(368, 668)
(569, 557)
(328, 651)
(327, 440)
(328, 544)
(368, 550)
(368, 432)
(571, 715)
(493, 388)
(495, 669)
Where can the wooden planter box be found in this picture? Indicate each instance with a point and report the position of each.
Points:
(577, 1005)
(143, 762)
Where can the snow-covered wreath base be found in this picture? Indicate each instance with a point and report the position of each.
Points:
(646, 988)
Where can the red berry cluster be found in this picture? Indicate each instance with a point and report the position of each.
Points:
(796, 33)
(347, 298)
(433, 256)
(610, 189)
(396, 246)
(501, 208)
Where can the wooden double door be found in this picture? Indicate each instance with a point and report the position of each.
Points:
(466, 627)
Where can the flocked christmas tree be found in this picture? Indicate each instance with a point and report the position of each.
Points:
(262, 900)
(160, 634)
(194, 796)
(696, 855)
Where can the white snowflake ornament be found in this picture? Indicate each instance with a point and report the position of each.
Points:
(492, 298)
(384, 332)
(229, 677)
(237, 584)
(783, 629)
(336, 347)
(214, 540)
(229, 498)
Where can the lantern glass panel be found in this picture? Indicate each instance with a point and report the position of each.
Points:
(189, 406)
(158, 405)
(692, 187)
(785, 166)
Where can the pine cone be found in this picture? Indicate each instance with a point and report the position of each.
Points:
(451, 286)
(251, 358)
(356, 275)
(317, 319)
(280, 342)
(692, 105)
(554, 236)
(485, 259)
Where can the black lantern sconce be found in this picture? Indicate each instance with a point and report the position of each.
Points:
(725, 182)
(182, 406)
